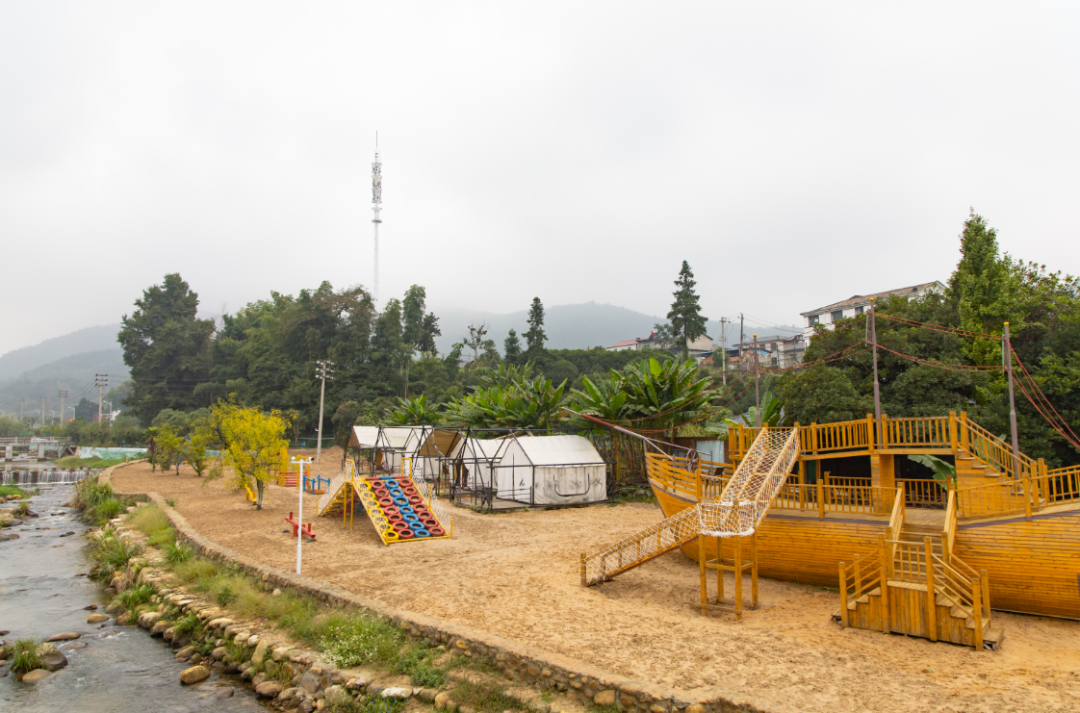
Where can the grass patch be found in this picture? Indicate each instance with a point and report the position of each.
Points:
(23, 509)
(24, 656)
(6, 491)
(149, 520)
(484, 697)
(187, 624)
(359, 639)
(417, 663)
(178, 552)
(95, 462)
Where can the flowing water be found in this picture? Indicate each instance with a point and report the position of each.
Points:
(42, 474)
(111, 668)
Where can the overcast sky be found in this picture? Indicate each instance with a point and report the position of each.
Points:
(795, 153)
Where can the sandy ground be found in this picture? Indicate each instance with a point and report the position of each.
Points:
(517, 575)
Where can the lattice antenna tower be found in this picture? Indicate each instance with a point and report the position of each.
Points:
(376, 200)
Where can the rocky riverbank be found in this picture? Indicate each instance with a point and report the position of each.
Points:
(286, 674)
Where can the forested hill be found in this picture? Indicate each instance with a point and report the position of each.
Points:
(89, 339)
(580, 326)
(74, 374)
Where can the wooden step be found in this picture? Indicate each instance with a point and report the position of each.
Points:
(907, 585)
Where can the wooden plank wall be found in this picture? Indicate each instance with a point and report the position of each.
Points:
(1033, 564)
(805, 550)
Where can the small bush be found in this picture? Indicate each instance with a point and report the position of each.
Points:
(22, 509)
(361, 639)
(378, 704)
(149, 520)
(178, 552)
(226, 595)
(135, 596)
(24, 656)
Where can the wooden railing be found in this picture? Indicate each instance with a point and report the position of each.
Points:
(1027, 495)
(673, 473)
(834, 498)
(926, 432)
(899, 511)
(948, 531)
(993, 451)
(861, 578)
(923, 493)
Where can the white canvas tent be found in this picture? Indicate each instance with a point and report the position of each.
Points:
(479, 457)
(389, 444)
(551, 470)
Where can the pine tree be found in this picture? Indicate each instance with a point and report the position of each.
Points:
(512, 348)
(687, 322)
(535, 337)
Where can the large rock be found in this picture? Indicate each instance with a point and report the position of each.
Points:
(392, 692)
(338, 697)
(66, 636)
(195, 674)
(443, 701)
(311, 682)
(288, 694)
(604, 698)
(260, 653)
(97, 618)
(50, 658)
(148, 619)
(269, 689)
(219, 653)
(281, 653)
(38, 674)
(159, 627)
(185, 653)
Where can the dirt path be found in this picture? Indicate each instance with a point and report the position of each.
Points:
(517, 575)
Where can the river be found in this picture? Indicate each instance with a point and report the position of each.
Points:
(120, 668)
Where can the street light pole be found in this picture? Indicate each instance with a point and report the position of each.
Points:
(1007, 354)
(326, 371)
(301, 462)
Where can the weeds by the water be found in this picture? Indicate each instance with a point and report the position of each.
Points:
(97, 501)
(187, 624)
(24, 656)
(111, 554)
(23, 509)
(135, 596)
(177, 552)
(95, 462)
(6, 491)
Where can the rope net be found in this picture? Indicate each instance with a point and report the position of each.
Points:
(755, 483)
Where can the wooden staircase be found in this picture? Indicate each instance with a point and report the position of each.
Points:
(915, 585)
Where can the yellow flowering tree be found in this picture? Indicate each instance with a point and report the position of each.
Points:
(251, 442)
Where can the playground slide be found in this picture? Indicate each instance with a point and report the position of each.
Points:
(737, 512)
(397, 509)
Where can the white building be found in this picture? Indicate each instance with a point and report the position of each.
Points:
(701, 346)
(857, 304)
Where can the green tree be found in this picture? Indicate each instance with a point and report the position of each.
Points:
(512, 348)
(429, 330)
(414, 412)
(535, 337)
(822, 394)
(687, 322)
(166, 347)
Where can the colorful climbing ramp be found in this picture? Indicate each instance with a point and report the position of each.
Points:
(399, 511)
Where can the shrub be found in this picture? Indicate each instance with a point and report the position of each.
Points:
(188, 624)
(226, 595)
(417, 664)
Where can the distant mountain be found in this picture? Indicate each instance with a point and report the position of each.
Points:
(90, 339)
(579, 326)
(74, 373)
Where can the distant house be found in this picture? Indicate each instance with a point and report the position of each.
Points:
(858, 304)
(701, 346)
(773, 353)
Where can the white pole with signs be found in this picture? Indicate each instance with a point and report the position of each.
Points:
(300, 513)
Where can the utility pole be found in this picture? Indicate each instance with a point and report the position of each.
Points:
(21, 402)
(723, 351)
(877, 386)
(757, 388)
(1006, 352)
(376, 201)
(42, 410)
(101, 381)
(63, 395)
(742, 339)
(326, 371)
